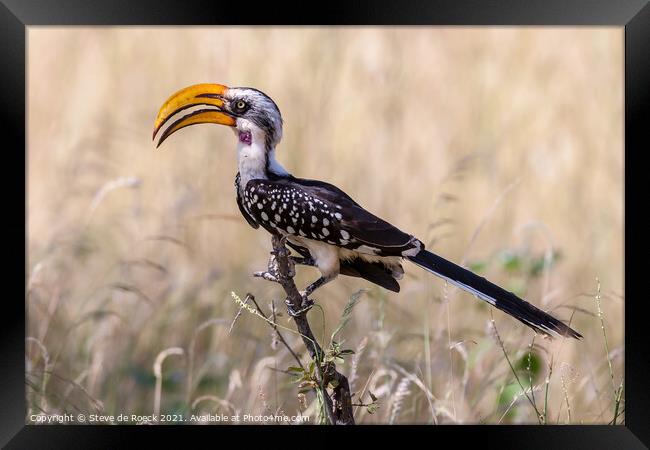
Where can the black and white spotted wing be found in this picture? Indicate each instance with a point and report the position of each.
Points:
(321, 211)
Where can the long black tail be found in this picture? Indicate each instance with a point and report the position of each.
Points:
(493, 294)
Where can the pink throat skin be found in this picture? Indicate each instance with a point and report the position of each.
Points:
(245, 137)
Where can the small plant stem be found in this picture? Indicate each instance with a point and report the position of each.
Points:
(514, 372)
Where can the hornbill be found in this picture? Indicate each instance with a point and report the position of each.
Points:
(319, 221)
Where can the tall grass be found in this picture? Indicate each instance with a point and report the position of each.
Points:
(499, 148)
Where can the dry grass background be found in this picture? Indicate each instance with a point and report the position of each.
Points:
(497, 147)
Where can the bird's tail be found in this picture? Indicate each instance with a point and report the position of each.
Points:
(493, 294)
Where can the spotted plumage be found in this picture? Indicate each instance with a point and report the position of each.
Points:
(324, 213)
(321, 222)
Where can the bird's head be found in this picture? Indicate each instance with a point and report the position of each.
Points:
(254, 117)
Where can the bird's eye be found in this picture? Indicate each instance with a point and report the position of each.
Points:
(240, 106)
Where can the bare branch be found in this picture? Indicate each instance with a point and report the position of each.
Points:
(338, 406)
(273, 325)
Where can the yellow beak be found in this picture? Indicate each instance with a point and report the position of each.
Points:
(199, 94)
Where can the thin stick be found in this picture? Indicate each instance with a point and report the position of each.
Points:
(338, 407)
(239, 313)
(277, 332)
(617, 394)
(514, 372)
(530, 375)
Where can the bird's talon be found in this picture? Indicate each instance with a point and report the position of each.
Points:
(273, 262)
(306, 301)
(267, 276)
(305, 306)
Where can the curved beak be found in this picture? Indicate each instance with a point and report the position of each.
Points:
(207, 94)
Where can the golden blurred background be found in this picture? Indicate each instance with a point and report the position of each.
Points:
(501, 148)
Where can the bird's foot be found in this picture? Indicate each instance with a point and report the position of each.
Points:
(272, 272)
(305, 305)
(267, 276)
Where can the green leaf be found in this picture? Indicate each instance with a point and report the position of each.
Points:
(347, 351)
(295, 369)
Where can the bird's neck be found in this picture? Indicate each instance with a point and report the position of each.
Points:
(255, 161)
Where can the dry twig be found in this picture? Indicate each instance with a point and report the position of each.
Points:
(338, 406)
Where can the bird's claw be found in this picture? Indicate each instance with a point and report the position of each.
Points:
(267, 276)
(273, 271)
(305, 305)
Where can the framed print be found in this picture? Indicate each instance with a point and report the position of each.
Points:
(419, 215)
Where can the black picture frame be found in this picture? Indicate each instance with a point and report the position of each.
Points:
(16, 15)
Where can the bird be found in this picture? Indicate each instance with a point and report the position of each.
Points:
(319, 221)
